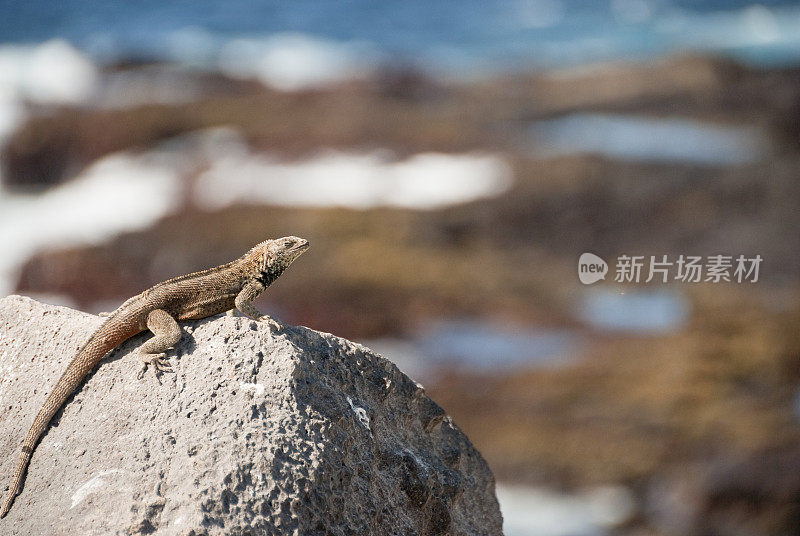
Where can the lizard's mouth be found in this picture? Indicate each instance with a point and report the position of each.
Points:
(298, 248)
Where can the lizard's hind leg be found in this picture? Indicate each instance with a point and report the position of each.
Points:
(167, 334)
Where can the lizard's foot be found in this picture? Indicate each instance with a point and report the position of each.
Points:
(231, 312)
(270, 321)
(160, 364)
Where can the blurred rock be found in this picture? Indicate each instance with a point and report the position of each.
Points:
(755, 495)
(256, 433)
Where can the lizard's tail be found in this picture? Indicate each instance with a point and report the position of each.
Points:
(16, 483)
(98, 345)
(61, 392)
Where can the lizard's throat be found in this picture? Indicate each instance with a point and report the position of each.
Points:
(268, 276)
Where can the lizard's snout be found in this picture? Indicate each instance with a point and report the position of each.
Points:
(291, 246)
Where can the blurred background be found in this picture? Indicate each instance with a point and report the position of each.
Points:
(450, 162)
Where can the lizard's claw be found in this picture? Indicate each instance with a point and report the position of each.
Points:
(160, 364)
(104, 314)
(271, 322)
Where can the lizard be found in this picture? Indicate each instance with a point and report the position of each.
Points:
(226, 288)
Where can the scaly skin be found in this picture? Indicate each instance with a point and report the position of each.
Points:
(197, 295)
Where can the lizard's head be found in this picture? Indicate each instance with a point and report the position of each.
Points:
(274, 256)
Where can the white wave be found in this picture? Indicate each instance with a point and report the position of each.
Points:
(360, 181)
(121, 192)
(12, 114)
(529, 511)
(292, 61)
(51, 72)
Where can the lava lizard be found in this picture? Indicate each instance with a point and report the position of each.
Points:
(158, 309)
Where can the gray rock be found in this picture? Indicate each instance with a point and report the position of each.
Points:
(298, 432)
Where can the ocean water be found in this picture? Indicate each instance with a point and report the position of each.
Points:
(665, 140)
(643, 312)
(447, 37)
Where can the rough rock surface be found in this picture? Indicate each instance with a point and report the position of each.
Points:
(299, 432)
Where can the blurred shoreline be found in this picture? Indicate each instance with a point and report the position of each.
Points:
(642, 157)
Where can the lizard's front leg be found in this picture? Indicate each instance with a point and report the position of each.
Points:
(167, 333)
(244, 303)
